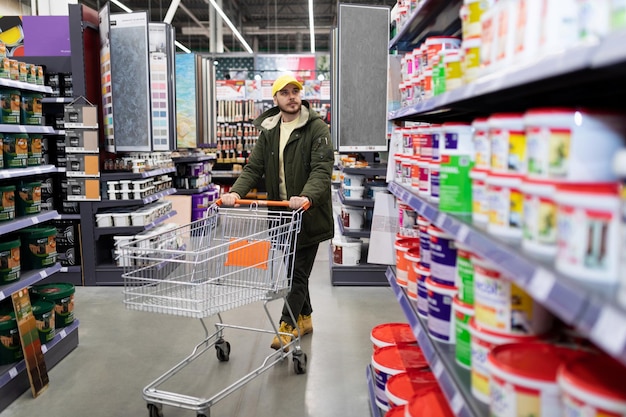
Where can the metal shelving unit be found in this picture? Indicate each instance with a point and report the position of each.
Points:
(116, 176)
(26, 172)
(147, 200)
(591, 309)
(101, 231)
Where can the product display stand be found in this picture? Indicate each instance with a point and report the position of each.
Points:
(363, 273)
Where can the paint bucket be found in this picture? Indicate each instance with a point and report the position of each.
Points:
(442, 256)
(15, 150)
(10, 103)
(347, 251)
(413, 258)
(62, 296)
(28, 198)
(464, 275)
(440, 319)
(9, 261)
(397, 411)
(392, 360)
(432, 404)
(402, 264)
(44, 315)
(353, 180)
(463, 313)
(482, 342)
(31, 113)
(523, 378)
(7, 202)
(502, 306)
(392, 334)
(353, 193)
(352, 217)
(593, 386)
(402, 387)
(38, 248)
(11, 347)
(423, 225)
(423, 273)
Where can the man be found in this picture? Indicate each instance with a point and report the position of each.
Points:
(294, 152)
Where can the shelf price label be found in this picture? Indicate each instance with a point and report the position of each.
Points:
(609, 331)
(541, 285)
(457, 403)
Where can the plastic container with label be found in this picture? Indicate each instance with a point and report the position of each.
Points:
(508, 143)
(443, 255)
(588, 237)
(436, 44)
(347, 251)
(453, 72)
(11, 347)
(402, 264)
(482, 342)
(7, 203)
(10, 266)
(480, 199)
(506, 204)
(352, 217)
(464, 273)
(471, 58)
(62, 295)
(44, 315)
(15, 150)
(558, 145)
(412, 256)
(540, 221)
(353, 193)
(392, 334)
(457, 153)
(423, 225)
(440, 319)
(402, 387)
(523, 378)
(38, 247)
(482, 143)
(593, 386)
(475, 9)
(423, 273)
(502, 306)
(462, 350)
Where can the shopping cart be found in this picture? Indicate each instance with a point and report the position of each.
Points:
(230, 258)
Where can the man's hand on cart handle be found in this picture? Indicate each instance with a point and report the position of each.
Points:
(230, 199)
(297, 202)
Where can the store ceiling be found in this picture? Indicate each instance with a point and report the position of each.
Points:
(269, 26)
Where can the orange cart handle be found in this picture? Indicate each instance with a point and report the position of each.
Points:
(264, 203)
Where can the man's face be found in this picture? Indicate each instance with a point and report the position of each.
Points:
(288, 99)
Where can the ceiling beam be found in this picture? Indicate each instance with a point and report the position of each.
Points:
(256, 31)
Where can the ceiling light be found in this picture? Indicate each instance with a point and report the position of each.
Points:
(128, 10)
(232, 27)
(182, 47)
(311, 26)
(121, 6)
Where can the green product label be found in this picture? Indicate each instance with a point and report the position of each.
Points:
(463, 350)
(455, 185)
(465, 279)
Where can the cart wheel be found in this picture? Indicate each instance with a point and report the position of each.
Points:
(299, 363)
(222, 350)
(154, 411)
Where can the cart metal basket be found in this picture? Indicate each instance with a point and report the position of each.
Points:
(230, 258)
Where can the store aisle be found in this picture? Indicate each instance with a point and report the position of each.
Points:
(121, 351)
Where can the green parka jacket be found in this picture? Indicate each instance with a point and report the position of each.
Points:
(308, 159)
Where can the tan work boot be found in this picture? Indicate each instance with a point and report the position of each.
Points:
(276, 343)
(305, 325)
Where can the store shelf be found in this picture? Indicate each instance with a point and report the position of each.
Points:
(61, 100)
(70, 269)
(363, 274)
(184, 191)
(5, 128)
(62, 216)
(374, 170)
(14, 378)
(115, 176)
(27, 172)
(590, 307)
(583, 75)
(375, 411)
(453, 380)
(149, 199)
(25, 86)
(26, 221)
(431, 17)
(368, 202)
(352, 232)
(225, 174)
(193, 158)
(127, 230)
(27, 278)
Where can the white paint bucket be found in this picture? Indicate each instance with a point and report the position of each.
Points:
(352, 217)
(347, 252)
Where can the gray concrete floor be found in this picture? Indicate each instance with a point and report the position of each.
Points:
(121, 351)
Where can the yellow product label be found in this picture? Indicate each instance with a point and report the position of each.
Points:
(486, 316)
(516, 213)
(453, 70)
(558, 152)
(517, 151)
(521, 303)
(475, 10)
(480, 382)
